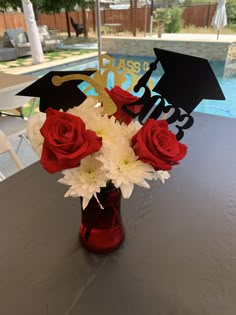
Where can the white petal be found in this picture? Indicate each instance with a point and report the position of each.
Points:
(126, 190)
(144, 184)
(162, 175)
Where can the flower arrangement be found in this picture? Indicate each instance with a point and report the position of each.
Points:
(94, 150)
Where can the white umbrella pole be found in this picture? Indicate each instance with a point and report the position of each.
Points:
(32, 31)
(145, 19)
(151, 18)
(98, 14)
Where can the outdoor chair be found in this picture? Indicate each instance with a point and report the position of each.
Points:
(5, 147)
(48, 41)
(12, 121)
(13, 125)
(7, 53)
(18, 39)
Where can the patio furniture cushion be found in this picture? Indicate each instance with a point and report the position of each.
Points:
(7, 54)
(21, 45)
(48, 42)
(17, 35)
(44, 33)
(18, 39)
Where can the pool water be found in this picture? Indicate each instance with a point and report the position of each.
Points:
(225, 107)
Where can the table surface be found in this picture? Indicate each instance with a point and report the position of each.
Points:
(10, 85)
(178, 257)
(8, 80)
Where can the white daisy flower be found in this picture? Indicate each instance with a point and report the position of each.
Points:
(106, 128)
(85, 180)
(128, 131)
(90, 107)
(124, 169)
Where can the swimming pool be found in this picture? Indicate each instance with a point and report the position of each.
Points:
(225, 108)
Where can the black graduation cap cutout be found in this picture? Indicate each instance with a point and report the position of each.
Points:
(56, 91)
(186, 81)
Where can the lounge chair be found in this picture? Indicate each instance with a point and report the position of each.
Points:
(7, 53)
(18, 39)
(47, 40)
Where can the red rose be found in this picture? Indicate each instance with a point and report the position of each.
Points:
(156, 145)
(66, 141)
(121, 97)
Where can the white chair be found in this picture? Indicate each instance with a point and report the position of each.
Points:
(18, 39)
(11, 125)
(48, 41)
(15, 126)
(1, 177)
(5, 147)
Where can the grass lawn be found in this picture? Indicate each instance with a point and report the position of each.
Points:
(206, 30)
(49, 56)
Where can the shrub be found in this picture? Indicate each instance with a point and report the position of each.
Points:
(162, 15)
(231, 12)
(176, 21)
(171, 18)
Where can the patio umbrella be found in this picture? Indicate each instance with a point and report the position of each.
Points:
(220, 18)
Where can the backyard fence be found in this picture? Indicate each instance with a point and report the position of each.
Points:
(196, 15)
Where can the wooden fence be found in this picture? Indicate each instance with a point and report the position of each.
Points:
(197, 15)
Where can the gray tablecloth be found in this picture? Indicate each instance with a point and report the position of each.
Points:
(178, 257)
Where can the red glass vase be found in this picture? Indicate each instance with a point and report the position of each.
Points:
(101, 228)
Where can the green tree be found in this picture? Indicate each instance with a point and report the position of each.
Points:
(231, 12)
(47, 6)
(14, 4)
(171, 18)
(51, 6)
(18, 4)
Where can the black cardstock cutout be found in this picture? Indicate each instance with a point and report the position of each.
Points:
(65, 96)
(186, 81)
